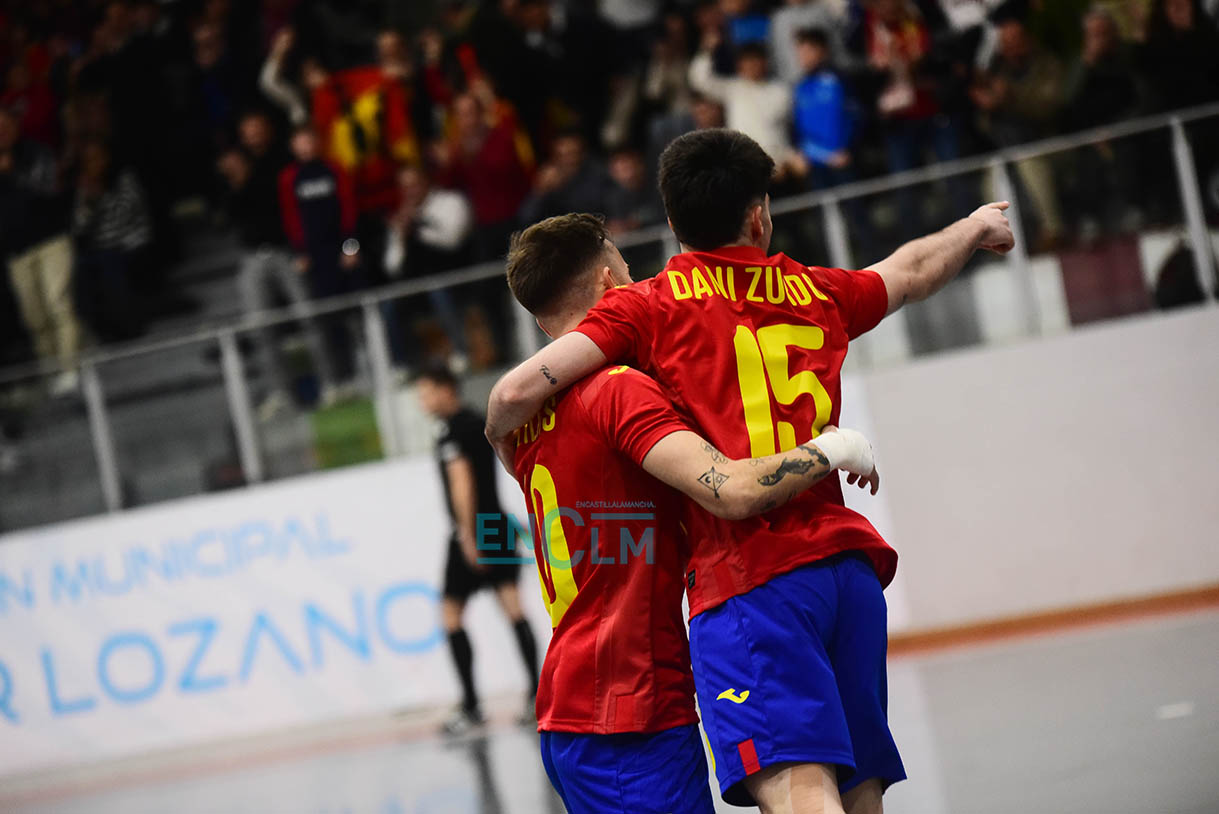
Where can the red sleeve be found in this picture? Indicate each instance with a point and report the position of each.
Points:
(621, 325)
(861, 297)
(325, 105)
(631, 411)
(289, 211)
(347, 200)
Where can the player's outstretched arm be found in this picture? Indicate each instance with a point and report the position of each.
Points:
(922, 267)
(519, 395)
(735, 489)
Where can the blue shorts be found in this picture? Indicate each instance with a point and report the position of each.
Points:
(794, 671)
(636, 773)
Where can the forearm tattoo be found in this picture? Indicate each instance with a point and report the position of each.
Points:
(796, 466)
(713, 479)
(549, 378)
(716, 455)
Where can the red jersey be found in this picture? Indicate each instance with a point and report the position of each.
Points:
(751, 347)
(611, 558)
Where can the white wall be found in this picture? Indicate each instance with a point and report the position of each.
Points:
(1076, 469)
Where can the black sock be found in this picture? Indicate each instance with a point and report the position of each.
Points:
(529, 651)
(463, 657)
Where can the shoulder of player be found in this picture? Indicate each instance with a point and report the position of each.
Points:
(601, 383)
(828, 280)
(639, 288)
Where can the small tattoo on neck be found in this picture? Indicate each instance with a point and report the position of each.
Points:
(549, 378)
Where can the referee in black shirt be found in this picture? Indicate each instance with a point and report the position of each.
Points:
(467, 470)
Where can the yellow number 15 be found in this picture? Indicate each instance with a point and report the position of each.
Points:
(762, 358)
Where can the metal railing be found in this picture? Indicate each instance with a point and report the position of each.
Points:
(836, 236)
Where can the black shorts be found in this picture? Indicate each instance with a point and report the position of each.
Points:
(460, 580)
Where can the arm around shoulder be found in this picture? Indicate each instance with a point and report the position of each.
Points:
(521, 392)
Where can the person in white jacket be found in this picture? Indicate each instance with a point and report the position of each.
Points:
(755, 105)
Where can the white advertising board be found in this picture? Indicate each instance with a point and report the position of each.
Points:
(226, 615)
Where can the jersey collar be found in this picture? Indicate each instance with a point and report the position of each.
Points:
(743, 254)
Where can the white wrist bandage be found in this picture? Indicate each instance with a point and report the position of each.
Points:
(847, 450)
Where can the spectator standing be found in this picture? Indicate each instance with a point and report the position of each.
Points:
(1020, 96)
(32, 100)
(632, 22)
(571, 181)
(490, 159)
(799, 15)
(1181, 62)
(1181, 55)
(631, 200)
(276, 86)
(429, 234)
(318, 208)
(898, 42)
(704, 113)
(822, 113)
(267, 268)
(666, 85)
(757, 106)
(35, 246)
(112, 232)
(1102, 88)
(362, 119)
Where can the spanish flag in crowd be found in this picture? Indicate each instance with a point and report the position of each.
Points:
(362, 118)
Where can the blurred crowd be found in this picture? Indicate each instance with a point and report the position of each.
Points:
(353, 142)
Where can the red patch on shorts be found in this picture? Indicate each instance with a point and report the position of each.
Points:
(749, 756)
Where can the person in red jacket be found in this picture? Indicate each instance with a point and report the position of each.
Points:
(487, 156)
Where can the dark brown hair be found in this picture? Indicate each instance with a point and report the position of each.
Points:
(709, 180)
(544, 258)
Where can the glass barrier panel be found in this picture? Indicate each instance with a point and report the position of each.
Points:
(48, 469)
(170, 420)
(878, 224)
(1120, 218)
(1203, 136)
(801, 236)
(476, 329)
(311, 385)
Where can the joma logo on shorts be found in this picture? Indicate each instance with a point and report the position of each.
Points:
(730, 695)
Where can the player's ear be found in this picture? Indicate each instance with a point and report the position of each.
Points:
(607, 279)
(757, 223)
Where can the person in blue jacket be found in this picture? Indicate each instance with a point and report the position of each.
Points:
(822, 113)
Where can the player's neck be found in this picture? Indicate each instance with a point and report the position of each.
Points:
(740, 243)
(557, 326)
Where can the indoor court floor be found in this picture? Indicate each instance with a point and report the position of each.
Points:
(1114, 718)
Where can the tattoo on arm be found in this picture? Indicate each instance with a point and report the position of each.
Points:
(715, 454)
(713, 479)
(549, 378)
(799, 466)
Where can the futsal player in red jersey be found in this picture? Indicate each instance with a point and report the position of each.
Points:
(615, 706)
(788, 627)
